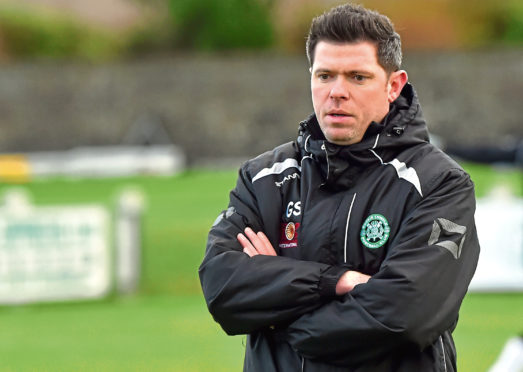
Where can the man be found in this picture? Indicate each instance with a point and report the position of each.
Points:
(351, 248)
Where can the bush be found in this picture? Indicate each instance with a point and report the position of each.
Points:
(508, 25)
(488, 23)
(28, 33)
(221, 24)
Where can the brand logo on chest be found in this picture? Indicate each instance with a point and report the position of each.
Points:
(293, 176)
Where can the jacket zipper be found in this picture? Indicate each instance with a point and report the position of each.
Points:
(347, 229)
(302, 364)
(324, 148)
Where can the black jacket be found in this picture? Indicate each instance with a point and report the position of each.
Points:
(391, 206)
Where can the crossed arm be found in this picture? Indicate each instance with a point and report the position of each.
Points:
(258, 244)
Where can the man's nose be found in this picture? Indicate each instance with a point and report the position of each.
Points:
(340, 89)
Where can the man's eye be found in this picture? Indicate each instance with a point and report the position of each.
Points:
(360, 78)
(323, 77)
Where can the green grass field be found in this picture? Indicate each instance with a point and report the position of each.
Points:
(166, 326)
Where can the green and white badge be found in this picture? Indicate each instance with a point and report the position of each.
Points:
(375, 231)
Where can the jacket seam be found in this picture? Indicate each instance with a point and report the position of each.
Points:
(432, 182)
(443, 353)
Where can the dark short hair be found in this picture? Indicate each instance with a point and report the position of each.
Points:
(351, 23)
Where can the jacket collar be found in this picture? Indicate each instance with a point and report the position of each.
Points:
(402, 127)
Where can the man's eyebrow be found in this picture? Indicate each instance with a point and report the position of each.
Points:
(358, 72)
(351, 72)
(321, 70)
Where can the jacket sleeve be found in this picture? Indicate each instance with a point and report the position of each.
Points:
(417, 292)
(246, 294)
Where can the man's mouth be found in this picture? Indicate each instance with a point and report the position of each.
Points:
(338, 114)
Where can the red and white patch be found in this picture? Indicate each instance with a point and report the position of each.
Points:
(289, 235)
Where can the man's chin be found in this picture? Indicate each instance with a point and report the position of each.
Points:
(341, 140)
(342, 143)
(340, 135)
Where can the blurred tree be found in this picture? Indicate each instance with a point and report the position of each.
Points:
(221, 24)
(292, 19)
(35, 31)
(29, 33)
(428, 24)
(489, 22)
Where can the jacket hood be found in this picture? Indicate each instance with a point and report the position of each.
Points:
(404, 126)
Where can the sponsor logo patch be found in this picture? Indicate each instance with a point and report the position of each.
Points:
(375, 231)
(289, 235)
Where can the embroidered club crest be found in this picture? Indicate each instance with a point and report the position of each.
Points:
(375, 231)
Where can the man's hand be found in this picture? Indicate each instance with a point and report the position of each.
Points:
(349, 280)
(254, 244)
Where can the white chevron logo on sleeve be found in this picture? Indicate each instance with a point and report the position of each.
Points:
(448, 227)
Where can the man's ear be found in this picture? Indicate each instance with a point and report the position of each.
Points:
(397, 81)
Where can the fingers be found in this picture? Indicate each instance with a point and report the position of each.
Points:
(258, 244)
(267, 244)
(254, 244)
(247, 246)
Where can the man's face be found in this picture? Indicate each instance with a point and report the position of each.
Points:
(349, 89)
